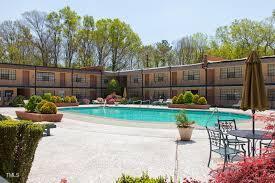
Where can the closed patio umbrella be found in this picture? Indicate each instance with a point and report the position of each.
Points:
(124, 93)
(253, 94)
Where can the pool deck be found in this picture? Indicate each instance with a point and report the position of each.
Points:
(95, 149)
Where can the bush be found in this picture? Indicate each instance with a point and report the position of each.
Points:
(47, 97)
(39, 105)
(53, 99)
(195, 98)
(48, 108)
(180, 99)
(85, 101)
(31, 105)
(143, 179)
(174, 100)
(123, 101)
(59, 99)
(202, 101)
(113, 86)
(73, 99)
(67, 99)
(18, 142)
(188, 97)
(17, 101)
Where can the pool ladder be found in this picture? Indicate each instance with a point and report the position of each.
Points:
(216, 110)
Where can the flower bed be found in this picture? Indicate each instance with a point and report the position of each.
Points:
(37, 117)
(189, 106)
(66, 104)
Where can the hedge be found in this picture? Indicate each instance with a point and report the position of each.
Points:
(18, 142)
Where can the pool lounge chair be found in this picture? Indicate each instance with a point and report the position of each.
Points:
(98, 101)
(158, 102)
(146, 102)
(237, 106)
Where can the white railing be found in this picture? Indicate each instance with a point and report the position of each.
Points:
(212, 115)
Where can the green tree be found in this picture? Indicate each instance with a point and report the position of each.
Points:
(113, 86)
(86, 42)
(70, 24)
(55, 28)
(163, 53)
(122, 41)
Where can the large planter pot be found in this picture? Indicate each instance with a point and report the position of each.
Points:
(36, 117)
(185, 133)
(189, 106)
(66, 104)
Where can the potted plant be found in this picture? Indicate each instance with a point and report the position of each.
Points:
(184, 125)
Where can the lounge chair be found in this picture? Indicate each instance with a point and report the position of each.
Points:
(238, 105)
(158, 102)
(137, 102)
(98, 101)
(146, 102)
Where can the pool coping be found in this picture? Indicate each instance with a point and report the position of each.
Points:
(134, 123)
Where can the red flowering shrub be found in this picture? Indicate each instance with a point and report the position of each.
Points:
(111, 101)
(85, 101)
(257, 169)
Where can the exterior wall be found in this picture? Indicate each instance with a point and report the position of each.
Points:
(147, 84)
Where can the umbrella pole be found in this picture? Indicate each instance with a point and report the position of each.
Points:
(253, 131)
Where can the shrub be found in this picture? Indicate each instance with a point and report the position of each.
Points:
(202, 101)
(67, 99)
(188, 97)
(39, 105)
(73, 99)
(53, 99)
(18, 142)
(180, 99)
(85, 101)
(16, 101)
(174, 99)
(182, 120)
(113, 86)
(47, 97)
(123, 101)
(48, 108)
(59, 99)
(143, 179)
(31, 105)
(195, 99)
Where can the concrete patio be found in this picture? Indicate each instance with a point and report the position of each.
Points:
(83, 150)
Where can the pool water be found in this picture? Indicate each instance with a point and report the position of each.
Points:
(155, 115)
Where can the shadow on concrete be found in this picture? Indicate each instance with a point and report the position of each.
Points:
(180, 142)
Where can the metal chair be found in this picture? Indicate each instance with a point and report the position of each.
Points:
(227, 125)
(219, 145)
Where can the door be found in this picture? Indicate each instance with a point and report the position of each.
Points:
(147, 95)
(146, 79)
(26, 78)
(62, 79)
(92, 80)
(93, 95)
(174, 78)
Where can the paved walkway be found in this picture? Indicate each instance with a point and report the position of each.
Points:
(83, 150)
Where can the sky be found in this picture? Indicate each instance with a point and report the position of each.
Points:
(153, 20)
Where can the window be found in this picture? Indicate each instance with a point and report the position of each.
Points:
(158, 94)
(79, 79)
(271, 95)
(105, 81)
(230, 94)
(271, 70)
(7, 74)
(45, 76)
(8, 93)
(135, 79)
(79, 94)
(191, 75)
(230, 72)
(159, 77)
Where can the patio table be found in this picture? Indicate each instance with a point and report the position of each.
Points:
(248, 134)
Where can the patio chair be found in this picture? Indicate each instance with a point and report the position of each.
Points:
(158, 102)
(237, 106)
(267, 144)
(227, 125)
(219, 145)
(146, 102)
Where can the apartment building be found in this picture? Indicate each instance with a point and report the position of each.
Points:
(220, 81)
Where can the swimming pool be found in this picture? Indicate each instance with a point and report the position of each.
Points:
(150, 115)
